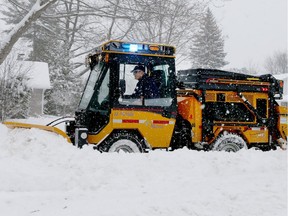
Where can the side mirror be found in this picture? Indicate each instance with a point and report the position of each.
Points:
(122, 85)
(92, 60)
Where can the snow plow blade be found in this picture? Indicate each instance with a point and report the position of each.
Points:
(56, 130)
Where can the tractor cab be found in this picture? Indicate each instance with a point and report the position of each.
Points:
(107, 104)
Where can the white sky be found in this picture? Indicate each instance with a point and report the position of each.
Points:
(255, 29)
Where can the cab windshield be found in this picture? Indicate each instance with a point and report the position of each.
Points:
(90, 86)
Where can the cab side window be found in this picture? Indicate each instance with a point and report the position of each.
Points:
(157, 74)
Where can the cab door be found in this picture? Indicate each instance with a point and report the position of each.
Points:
(94, 108)
(154, 119)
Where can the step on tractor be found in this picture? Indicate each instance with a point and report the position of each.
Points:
(201, 109)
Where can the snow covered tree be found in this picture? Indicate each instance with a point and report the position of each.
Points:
(18, 30)
(60, 54)
(208, 44)
(277, 64)
(65, 94)
(55, 39)
(69, 29)
(14, 92)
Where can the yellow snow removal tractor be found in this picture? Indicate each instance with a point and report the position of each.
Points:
(199, 108)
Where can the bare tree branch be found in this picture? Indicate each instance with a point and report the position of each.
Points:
(22, 27)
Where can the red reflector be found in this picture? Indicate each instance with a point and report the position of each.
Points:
(160, 122)
(212, 80)
(264, 89)
(281, 84)
(130, 121)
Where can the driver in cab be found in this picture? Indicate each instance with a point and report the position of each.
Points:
(146, 87)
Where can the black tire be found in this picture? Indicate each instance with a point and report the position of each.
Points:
(229, 142)
(125, 142)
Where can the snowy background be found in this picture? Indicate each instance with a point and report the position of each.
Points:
(253, 30)
(41, 174)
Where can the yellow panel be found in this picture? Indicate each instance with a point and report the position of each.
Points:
(232, 97)
(184, 106)
(155, 129)
(283, 121)
(94, 139)
(210, 97)
(254, 136)
(191, 109)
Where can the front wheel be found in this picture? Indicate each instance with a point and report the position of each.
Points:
(123, 142)
(229, 142)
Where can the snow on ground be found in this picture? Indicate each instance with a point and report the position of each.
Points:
(41, 174)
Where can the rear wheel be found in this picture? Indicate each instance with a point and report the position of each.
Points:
(123, 142)
(229, 142)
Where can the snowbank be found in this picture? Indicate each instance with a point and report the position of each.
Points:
(41, 174)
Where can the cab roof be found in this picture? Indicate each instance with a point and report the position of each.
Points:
(137, 48)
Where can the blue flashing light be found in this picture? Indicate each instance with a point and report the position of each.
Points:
(140, 48)
(130, 47)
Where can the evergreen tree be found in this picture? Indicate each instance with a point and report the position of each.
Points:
(208, 44)
(15, 94)
(13, 36)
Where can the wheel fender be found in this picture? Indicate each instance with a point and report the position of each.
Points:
(116, 135)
